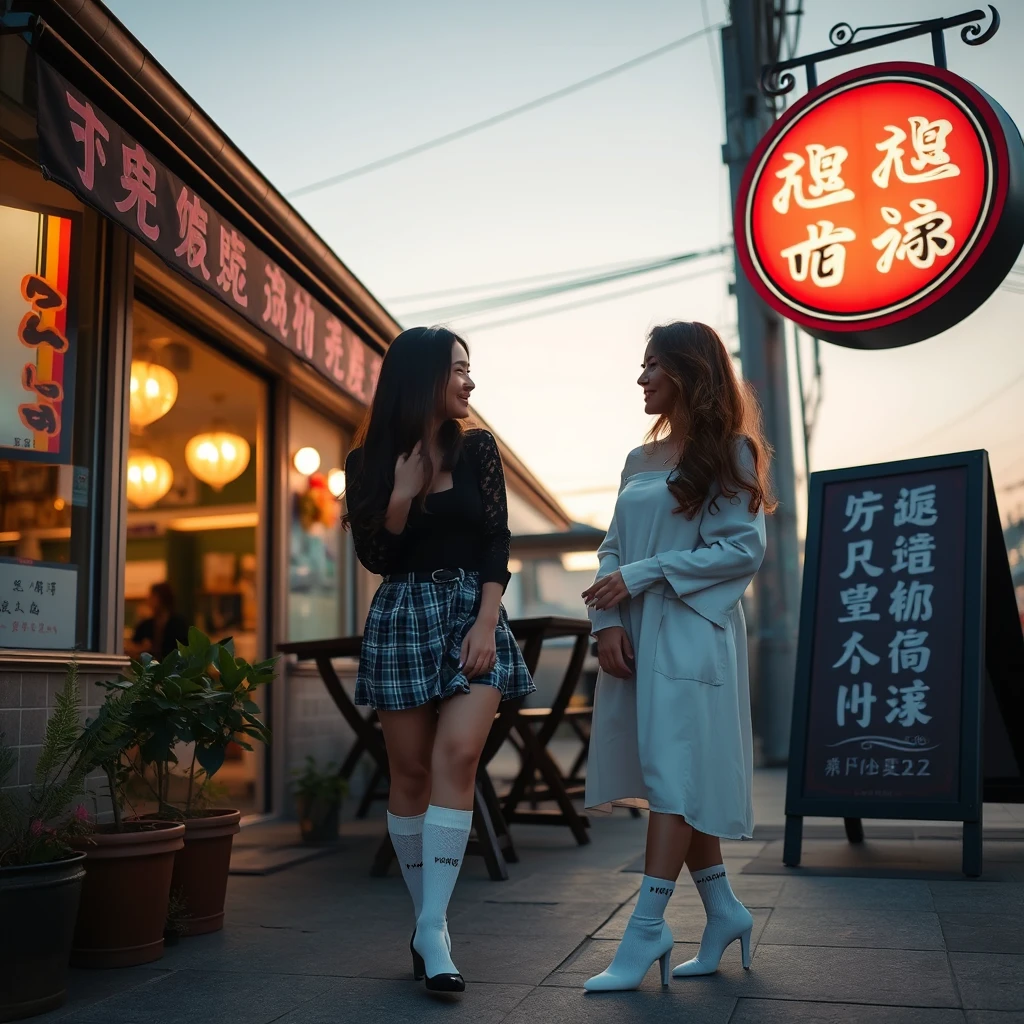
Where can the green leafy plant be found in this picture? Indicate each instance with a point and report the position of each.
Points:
(35, 826)
(200, 694)
(315, 784)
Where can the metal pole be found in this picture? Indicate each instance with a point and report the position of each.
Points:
(763, 357)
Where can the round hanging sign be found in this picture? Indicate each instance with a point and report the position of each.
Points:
(884, 207)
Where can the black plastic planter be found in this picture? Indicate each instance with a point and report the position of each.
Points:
(38, 908)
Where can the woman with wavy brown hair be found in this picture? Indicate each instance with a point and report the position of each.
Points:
(671, 728)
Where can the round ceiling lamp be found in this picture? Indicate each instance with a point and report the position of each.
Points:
(336, 482)
(217, 457)
(149, 478)
(153, 391)
(306, 461)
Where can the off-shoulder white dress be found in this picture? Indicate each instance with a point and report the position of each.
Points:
(677, 736)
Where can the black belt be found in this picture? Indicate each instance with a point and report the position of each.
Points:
(436, 576)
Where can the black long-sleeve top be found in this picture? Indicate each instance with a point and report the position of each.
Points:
(464, 527)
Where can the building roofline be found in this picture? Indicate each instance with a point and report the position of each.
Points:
(90, 29)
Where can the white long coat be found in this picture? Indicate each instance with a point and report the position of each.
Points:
(677, 736)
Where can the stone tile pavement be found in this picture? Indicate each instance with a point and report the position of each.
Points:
(321, 942)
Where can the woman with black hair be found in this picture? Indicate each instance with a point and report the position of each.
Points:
(428, 512)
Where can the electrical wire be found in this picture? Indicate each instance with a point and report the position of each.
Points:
(554, 275)
(505, 115)
(983, 404)
(565, 307)
(532, 294)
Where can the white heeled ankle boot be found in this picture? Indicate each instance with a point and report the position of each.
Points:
(728, 920)
(647, 938)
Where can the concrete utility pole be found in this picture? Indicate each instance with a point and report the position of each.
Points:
(746, 46)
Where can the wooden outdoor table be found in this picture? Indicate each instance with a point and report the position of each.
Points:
(530, 729)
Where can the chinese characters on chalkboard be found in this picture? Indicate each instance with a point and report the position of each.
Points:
(886, 668)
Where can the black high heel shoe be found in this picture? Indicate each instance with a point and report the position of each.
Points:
(418, 970)
(439, 982)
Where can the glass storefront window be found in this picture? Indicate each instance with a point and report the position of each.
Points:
(195, 506)
(317, 555)
(49, 394)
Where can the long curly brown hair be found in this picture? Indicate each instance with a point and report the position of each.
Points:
(714, 409)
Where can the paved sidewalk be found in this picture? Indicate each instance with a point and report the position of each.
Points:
(323, 942)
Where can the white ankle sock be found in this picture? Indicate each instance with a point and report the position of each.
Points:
(715, 891)
(407, 839)
(646, 938)
(728, 920)
(445, 833)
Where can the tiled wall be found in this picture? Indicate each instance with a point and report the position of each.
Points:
(28, 691)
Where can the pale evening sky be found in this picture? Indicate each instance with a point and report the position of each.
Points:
(627, 169)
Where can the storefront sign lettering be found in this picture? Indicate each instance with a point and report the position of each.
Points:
(77, 144)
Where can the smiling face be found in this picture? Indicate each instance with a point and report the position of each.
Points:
(661, 396)
(460, 385)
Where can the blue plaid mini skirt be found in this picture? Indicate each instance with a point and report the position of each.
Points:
(412, 646)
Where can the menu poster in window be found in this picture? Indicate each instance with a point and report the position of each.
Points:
(37, 335)
(38, 604)
(903, 647)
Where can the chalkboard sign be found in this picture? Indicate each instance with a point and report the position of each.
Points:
(904, 565)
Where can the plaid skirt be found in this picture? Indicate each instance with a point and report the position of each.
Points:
(412, 646)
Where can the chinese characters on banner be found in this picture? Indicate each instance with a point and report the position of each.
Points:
(886, 674)
(38, 603)
(84, 149)
(36, 336)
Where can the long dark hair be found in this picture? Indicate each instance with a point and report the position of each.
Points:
(407, 408)
(715, 409)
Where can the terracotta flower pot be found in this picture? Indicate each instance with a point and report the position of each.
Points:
(38, 905)
(127, 884)
(201, 869)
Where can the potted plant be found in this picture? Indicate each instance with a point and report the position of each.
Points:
(200, 695)
(319, 794)
(129, 863)
(40, 872)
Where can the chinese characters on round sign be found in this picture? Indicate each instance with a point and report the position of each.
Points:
(873, 198)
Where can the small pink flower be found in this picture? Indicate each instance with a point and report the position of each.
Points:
(81, 814)
(35, 829)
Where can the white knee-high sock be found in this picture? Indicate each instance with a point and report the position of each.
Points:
(407, 839)
(646, 938)
(728, 920)
(445, 834)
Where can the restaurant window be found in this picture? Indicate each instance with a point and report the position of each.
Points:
(50, 391)
(195, 502)
(318, 568)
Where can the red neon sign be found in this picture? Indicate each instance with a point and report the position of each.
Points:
(878, 211)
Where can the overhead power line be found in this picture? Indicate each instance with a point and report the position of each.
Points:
(505, 115)
(553, 275)
(489, 302)
(593, 300)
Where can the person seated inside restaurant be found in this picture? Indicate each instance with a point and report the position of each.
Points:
(160, 632)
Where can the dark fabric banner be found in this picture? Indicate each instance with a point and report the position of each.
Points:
(86, 151)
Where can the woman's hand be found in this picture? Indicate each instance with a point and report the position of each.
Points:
(607, 592)
(615, 652)
(479, 653)
(410, 473)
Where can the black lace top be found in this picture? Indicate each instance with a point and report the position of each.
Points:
(464, 527)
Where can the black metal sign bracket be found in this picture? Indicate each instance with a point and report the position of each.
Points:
(777, 79)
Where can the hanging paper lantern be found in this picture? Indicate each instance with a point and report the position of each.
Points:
(154, 390)
(217, 457)
(149, 478)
